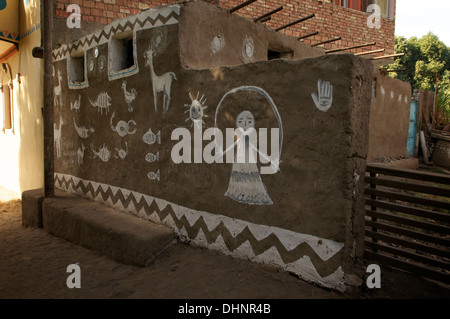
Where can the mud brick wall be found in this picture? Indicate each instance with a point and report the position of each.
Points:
(389, 117)
(331, 20)
(116, 137)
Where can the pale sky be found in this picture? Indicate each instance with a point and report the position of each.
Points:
(418, 17)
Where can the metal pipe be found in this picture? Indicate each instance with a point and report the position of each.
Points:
(48, 100)
(240, 6)
(387, 56)
(352, 47)
(308, 35)
(265, 19)
(295, 22)
(327, 41)
(268, 14)
(369, 52)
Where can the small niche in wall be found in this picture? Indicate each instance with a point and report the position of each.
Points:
(122, 55)
(5, 107)
(76, 70)
(274, 54)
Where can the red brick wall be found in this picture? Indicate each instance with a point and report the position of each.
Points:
(330, 20)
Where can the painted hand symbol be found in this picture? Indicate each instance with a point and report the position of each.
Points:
(325, 99)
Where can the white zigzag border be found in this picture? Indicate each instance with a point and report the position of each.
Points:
(303, 267)
(152, 13)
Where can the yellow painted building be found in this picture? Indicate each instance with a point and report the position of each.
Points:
(21, 97)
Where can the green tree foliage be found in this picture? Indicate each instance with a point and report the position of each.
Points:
(424, 59)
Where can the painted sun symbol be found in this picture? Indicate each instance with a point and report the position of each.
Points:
(196, 109)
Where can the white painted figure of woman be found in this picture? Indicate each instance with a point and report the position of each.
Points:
(245, 184)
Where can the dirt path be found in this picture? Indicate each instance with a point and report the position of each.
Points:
(33, 265)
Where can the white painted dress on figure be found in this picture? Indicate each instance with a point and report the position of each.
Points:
(245, 185)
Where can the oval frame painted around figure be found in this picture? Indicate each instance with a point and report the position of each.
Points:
(268, 98)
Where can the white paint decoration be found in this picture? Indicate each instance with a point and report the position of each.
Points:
(160, 83)
(76, 105)
(83, 131)
(101, 63)
(151, 138)
(324, 99)
(129, 96)
(245, 184)
(154, 176)
(150, 157)
(103, 102)
(148, 19)
(196, 109)
(122, 128)
(122, 153)
(303, 267)
(57, 91)
(217, 44)
(103, 153)
(80, 154)
(248, 49)
(91, 65)
(57, 136)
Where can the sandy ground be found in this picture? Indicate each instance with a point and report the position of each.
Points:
(33, 264)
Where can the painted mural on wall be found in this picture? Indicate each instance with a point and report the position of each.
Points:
(130, 96)
(57, 92)
(82, 131)
(196, 109)
(102, 102)
(324, 98)
(160, 83)
(120, 127)
(245, 184)
(57, 130)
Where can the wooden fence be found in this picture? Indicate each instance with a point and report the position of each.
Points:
(408, 220)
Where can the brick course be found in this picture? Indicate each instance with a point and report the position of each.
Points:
(330, 20)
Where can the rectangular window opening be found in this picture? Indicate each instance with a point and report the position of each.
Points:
(273, 54)
(122, 52)
(77, 68)
(386, 6)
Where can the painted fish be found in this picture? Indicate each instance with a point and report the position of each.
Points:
(151, 138)
(150, 157)
(154, 176)
(103, 153)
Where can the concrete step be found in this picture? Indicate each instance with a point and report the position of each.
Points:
(123, 237)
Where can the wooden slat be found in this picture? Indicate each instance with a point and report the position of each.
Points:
(408, 186)
(407, 198)
(414, 268)
(409, 255)
(408, 243)
(409, 221)
(409, 210)
(409, 233)
(406, 173)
